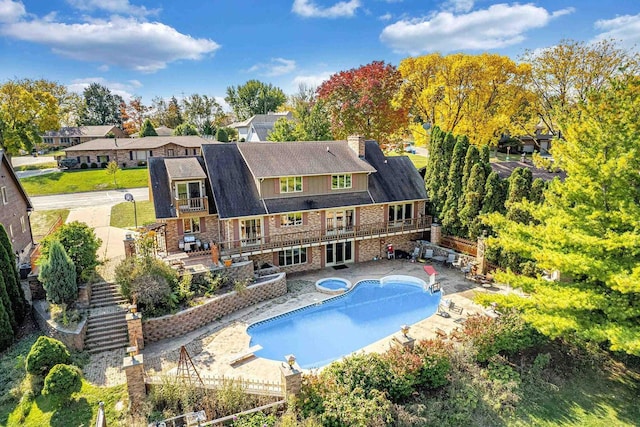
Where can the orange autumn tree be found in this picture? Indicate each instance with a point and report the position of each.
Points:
(359, 102)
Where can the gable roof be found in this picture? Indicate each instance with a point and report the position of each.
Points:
(262, 118)
(184, 168)
(7, 164)
(504, 170)
(278, 159)
(261, 129)
(91, 131)
(396, 178)
(146, 143)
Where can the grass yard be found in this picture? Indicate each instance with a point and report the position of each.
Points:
(83, 180)
(122, 214)
(417, 160)
(42, 221)
(37, 166)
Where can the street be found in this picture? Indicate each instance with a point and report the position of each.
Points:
(94, 198)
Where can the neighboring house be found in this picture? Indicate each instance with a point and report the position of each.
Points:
(298, 205)
(68, 136)
(538, 142)
(160, 130)
(130, 152)
(257, 128)
(15, 208)
(504, 170)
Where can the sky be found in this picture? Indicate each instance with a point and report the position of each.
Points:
(176, 48)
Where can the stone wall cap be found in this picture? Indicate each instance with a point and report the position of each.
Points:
(130, 361)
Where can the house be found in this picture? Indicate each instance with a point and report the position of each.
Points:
(129, 152)
(538, 142)
(257, 127)
(160, 130)
(68, 136)
(15, 208)
(298, 205)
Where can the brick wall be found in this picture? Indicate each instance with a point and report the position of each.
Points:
(372, 214)
(72, 339)
(12, 212)
(195, 317)
(210, 234)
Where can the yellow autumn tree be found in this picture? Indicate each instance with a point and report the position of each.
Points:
(473, 95)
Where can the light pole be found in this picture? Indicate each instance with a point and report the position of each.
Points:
(129, 198)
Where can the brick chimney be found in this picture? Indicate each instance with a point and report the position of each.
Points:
(356, 143)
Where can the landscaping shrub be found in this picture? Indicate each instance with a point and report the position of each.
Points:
(258, 419)
(142, 163)
(94, 165)
(44, 354)
(84, 166)
(435, 356)
(62, 380)
(103, 165)
(58, 275)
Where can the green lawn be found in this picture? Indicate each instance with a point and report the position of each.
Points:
(83, 180)
(37, 166)
(42, 221)
(122, 214)
(418, 160)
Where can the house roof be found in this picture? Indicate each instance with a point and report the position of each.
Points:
(277, 159)
(164, 131)
(262, 118)
(504, 170)
(262, 130)
(184, 168)
(145, 143)
(305, 203)
(160, 185)
(91, 131)
(396, 178)
(7, 164)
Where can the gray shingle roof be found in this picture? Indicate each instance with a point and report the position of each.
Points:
(277, 159)
(95, 131)
(262, 130)
(184, 168)
(146, 143)
(262, 118)
(297, 204)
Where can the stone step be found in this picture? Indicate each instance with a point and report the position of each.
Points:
(111, 323)
(109, 311)
(98, 334)
(106, 345)
(110, 302)
(105, 292)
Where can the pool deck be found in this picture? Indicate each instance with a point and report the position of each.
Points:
(213, 347)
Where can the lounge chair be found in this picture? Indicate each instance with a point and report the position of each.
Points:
(428, 254)
(451, 258)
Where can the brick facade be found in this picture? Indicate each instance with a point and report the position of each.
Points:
(126, 157)
(209, 233)
(195, 317)
(14, 212)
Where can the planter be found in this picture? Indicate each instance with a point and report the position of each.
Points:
(227, 262)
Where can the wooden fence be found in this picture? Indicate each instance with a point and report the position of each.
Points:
(35, 254)
(459, 244)
(249, 386)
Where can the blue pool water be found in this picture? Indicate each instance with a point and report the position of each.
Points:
(334, 284)
(322, 333)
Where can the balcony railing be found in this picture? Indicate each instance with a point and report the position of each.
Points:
(316, 237)
(191, 205)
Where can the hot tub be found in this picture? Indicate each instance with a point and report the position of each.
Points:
(333, 285)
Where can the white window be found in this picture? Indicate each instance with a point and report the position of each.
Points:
(251, 231)
(23, 224)
(170, 152)
(291, 184)
(5, 200)
(291, 219)
(339, 182)
(48, 140)
(191, 225)
(84, 159)
(140, 155)
(292, 256)
(399, 213)
(65, 140)
(103, 159)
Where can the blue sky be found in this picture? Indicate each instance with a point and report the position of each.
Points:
(152, 48)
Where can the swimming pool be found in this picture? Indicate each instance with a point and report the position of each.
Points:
(321, 333)
(333, 285)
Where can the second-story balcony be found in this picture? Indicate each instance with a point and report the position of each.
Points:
(261, 244)
(191, 206)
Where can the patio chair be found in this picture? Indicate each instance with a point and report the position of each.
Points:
(466, 270)
(451, 258)
(428, 254)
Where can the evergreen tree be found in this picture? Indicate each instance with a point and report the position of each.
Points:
(221, 135)
(147, 129)
(494, 194)
(58, 275)
(6, 331)
(173, 115)
(442, 170)
(473, 197)
(485, 159)
(5, 302)
(9, 271)
(432, 164)
(472, 157)
(189, 129)
(536, 195)
(454, 187)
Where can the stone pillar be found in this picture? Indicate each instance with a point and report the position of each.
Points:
(129, 245)
(134, 370)
(404, 341)
(134, 327)
(481, 260)
(436, 233)
(291, 378)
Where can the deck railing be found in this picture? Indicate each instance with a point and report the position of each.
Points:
(314, 237)
(191, 205)
(249, 386)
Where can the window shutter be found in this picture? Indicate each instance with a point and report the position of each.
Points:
(203, 224)
(305, 218)
(180, 228)
(277, 183)
(130, 155)
(150, 153)
(186, 151)
(79, 159)
(278, 220)
(107, 159)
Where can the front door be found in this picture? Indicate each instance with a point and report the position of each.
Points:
(338, 253)
(338, 221)
(251, 231)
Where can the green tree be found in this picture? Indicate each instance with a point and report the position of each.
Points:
(147, 129)
(536, 195)
(173, 116)
(221, 135)
(186, 129)
(202, 111)
(11, 277)
(471, 159)
(26, 111)
(113, 169)
(44, 354)
(5, 302)
(62, 381)
(254, 97)
(100, 107)
(472, 204)
(80, 243)
(316, 126)
(6, 330)
(450, 220)
(519, 190)
(58, 275)
(587, 228)
(494, 194)
(283, 130)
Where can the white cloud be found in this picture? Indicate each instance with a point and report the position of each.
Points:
(125, 90)
(500, 25)
(113, 6)
(123, 42)
(276, 67)
(11, 11)
(458, 5)
(623, 29)
(311, 80)
(308, 9)
(385, 17)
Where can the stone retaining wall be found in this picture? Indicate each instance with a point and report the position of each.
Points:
(175, 325)
(71, 338)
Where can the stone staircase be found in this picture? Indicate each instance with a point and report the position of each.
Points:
(107, 326)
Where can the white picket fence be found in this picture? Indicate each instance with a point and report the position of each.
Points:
(249, 386)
